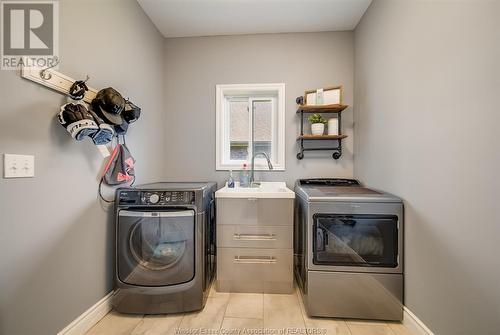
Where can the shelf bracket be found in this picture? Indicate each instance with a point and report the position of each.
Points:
(337, 151)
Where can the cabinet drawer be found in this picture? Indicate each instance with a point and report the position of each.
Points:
(254, 270)
(243, 236)
(252, 211)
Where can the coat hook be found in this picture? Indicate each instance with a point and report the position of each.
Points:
(47, 75)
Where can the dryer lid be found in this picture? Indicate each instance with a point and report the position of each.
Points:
(340, 190)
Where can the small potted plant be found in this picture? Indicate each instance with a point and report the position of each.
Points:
(317, 124)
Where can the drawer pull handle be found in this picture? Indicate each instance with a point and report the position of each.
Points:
(255, 237)
(255, 259)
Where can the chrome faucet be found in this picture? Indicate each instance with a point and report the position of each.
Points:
(252, 171)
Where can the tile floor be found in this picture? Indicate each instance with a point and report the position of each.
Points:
(242, 314)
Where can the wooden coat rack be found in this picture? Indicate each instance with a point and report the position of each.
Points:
(58, 82)
(55, 80)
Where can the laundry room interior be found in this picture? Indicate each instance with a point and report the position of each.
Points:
(271, 167)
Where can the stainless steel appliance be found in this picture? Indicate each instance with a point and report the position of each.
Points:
(165, 247)
(348, 250)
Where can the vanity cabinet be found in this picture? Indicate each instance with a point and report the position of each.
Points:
(255, 245)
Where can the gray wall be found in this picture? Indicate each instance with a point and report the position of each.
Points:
(56, 238)
(427, 123)
(302, 61)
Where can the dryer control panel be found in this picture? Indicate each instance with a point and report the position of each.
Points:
(148, 198)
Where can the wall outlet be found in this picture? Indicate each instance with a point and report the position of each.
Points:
(18, 166)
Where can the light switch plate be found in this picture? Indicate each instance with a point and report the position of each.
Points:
(18, 166)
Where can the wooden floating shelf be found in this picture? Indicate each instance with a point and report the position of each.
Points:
(321, 108)
(321, 137)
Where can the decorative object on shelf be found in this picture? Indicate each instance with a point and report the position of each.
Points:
(333, 126)
(323, 109)
(323, 96)
(317, 124)
(319, 97)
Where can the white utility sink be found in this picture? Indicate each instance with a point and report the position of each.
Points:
(269, 190)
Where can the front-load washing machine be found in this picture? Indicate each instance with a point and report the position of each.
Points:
(165, 247)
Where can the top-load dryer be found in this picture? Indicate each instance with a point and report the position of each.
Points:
(348, 252)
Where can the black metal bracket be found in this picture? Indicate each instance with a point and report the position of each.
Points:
(335, 155)
(337, 149)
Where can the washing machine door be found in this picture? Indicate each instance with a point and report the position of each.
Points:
(155, 248)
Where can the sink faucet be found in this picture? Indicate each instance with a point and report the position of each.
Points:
(252, 171)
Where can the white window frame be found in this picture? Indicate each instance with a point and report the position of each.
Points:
(273, 92)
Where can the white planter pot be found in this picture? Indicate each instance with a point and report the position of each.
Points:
(317, 128)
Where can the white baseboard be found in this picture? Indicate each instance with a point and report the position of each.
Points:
(414, 324)
(89, 318)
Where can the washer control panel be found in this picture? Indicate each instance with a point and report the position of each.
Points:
(156, 198)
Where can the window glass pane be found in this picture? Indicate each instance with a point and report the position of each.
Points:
(263, 127)
(239, 130)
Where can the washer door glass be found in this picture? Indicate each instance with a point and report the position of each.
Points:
(156, 248)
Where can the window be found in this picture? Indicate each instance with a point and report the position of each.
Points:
(250, 119)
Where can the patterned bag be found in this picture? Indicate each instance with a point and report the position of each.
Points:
(120, 168)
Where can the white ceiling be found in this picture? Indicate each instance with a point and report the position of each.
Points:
(181, 18)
